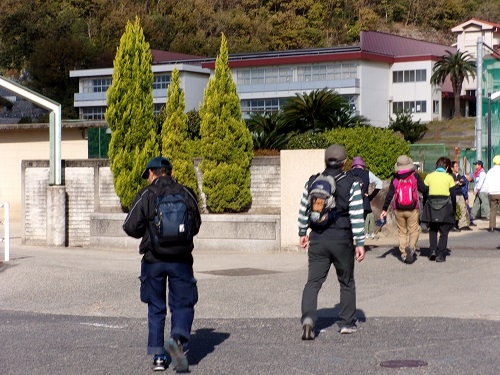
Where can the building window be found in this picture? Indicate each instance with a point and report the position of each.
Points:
(161, 81)
(272, 75)
(421, 75)
(319, 73)
(419, 106)
(435, 107)
(418, 75)
(100, 84)
(258, 76)
(157, 107)
(261, 105)
(92, 113)
(286, 75)
(305, 73)
(243, 77)
(95, 85)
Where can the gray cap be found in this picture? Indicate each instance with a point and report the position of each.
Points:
(335, 153)
(155, 163)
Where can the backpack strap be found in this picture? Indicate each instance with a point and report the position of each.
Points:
(311, 180)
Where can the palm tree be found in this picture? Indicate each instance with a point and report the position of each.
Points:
(458, 66)
(317, 111)
(267, 133)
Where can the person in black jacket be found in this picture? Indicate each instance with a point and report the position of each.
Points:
(407, 220)
(172, 262)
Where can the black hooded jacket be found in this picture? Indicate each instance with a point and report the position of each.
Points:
(140, 222)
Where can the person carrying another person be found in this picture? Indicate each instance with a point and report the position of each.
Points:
(460, 181)
(439, 210)
(403, 192)
(337, 237)
(481, 205)
(366, 178)
(492, 188)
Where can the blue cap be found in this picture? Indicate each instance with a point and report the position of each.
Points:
(155, 163)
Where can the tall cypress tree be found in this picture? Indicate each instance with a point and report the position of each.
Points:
(130, 113)
(174, 134)
(226, 142)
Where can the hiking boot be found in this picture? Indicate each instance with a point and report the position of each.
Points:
(179, 360)
(307, 332)
(159, 363)
(348, 330)
(410, 255)
(432, 255)
(472, 224)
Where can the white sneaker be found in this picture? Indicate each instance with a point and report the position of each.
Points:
(348, 330)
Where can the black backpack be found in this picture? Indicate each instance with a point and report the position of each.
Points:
(173, 220)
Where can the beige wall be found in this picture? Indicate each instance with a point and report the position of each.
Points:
(296, 168)
(32, 144)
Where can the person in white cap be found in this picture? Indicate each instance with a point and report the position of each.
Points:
(492, 188)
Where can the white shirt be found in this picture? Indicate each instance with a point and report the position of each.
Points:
(492, 181)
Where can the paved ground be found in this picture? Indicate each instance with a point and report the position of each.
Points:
(77, 311)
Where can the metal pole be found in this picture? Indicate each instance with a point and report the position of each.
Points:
(488, 151)
(479, 99)
(6, 226)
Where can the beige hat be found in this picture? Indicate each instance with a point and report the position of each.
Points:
(335, 153)
(496, 160)
(404, 163)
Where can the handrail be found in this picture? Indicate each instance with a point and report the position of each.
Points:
(6, 224)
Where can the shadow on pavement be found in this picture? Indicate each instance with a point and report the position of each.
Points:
(203, 342)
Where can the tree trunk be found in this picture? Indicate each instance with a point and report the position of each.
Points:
(457, 112)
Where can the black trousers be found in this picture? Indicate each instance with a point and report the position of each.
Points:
(321, 255)
(439, 245)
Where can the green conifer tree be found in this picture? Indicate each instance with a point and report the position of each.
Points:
(226, 142)
(174, 134)
(130, 114)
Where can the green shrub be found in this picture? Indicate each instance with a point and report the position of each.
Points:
(379, 147)
(412, 130)
(307, 141)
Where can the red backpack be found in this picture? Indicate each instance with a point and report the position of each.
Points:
(405, 193)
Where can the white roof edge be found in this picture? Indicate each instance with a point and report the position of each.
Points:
(483, 25)
(157, 68)
(91, 72)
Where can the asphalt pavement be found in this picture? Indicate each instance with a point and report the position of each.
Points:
(77, 311)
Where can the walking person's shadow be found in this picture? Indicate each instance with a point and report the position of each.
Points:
(203, 342)
(327, 318)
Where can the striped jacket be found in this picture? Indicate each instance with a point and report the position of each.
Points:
(355, 213)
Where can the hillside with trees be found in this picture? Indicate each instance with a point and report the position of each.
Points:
(41, 41)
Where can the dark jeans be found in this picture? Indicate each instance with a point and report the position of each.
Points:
(182, 296)
(321, 255)
(444, 230)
